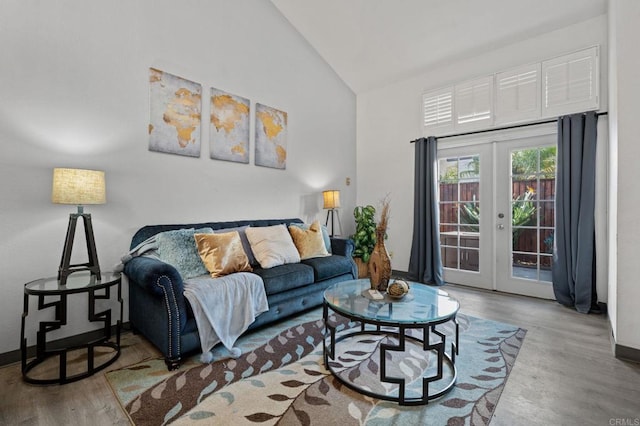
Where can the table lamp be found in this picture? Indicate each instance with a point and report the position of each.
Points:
(79, 187)
(332, 203)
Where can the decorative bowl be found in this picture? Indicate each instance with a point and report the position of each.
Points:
(398, 289)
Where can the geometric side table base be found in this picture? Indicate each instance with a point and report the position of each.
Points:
(95, 359)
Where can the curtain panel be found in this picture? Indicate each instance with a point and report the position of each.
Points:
(425, 263)
(573, 267)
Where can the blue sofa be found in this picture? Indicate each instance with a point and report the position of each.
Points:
(159, 311)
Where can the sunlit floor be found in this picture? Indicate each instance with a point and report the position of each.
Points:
(532, 273)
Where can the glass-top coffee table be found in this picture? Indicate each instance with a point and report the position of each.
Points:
(396, 354)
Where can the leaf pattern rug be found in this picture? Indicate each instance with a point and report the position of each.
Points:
(281, 380)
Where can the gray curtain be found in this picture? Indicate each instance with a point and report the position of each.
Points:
(425, 263)
(574, 255)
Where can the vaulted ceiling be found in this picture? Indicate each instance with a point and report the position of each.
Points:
(371, 43)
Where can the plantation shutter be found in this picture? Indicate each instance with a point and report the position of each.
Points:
(438, 109)
(571, 83)
(473, 101)
(560, 86)
(518, 94)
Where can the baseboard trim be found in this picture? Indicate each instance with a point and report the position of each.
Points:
(624, 353)
(78, 339)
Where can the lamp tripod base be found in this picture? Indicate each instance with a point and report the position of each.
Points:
(331, 213)
(66, 268)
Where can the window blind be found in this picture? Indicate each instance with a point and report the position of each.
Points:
(438, 108)
(570, 83)
(518, 94)
(473, 102)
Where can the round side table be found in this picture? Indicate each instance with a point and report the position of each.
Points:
(51, 294)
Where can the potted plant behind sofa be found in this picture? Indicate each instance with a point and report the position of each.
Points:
(364, 238)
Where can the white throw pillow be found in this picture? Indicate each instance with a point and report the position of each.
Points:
(272, 245)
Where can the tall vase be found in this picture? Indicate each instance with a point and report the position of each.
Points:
(379, 264)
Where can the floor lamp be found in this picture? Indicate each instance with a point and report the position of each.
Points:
(79, 187)
(332, 203)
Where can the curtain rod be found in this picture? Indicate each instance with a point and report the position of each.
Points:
(515, 126)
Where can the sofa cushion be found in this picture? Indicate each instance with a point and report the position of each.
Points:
(178, 248)
(150, 230)
(309, 242)
(285, 277)
(222, 253)
(329, 267)
(325, 233)
(242, 231)
(272, 246)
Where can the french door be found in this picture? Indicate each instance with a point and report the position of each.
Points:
(525, 216)
(497, 214)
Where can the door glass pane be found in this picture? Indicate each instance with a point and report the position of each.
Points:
(546, 241)
(470, 216)
(525, 240)
(459, 179)
(547, 213)
(533, 173)
(449, 213)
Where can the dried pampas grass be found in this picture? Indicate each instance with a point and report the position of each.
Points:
(384, 214)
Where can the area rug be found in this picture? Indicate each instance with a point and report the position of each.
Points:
(281, 380)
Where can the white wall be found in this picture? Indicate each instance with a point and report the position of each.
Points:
(612, 202)
(390, 117)
(74, 85)
(624, 131)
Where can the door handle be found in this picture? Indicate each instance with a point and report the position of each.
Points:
(500, 226)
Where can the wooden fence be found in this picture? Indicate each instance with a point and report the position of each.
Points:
(527, 239)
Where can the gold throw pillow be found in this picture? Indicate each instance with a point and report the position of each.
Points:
(222, 254)
(309, 242)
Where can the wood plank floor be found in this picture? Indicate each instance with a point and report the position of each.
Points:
(565, 373)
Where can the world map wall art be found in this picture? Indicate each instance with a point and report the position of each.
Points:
(175, 114)
(229, 127)
(271, 137)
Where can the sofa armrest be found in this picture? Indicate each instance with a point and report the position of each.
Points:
(157, 306)
(342, 246)
(160, 281)
(153, 275)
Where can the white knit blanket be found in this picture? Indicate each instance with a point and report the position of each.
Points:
(225, 307)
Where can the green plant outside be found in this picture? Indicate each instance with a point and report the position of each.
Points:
(524, 166)
(365, 235)
(522, 213)
(525, 163)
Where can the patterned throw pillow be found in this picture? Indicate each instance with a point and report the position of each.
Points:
(272, 245)
(222, 253)
(178, 248)
(309, 242)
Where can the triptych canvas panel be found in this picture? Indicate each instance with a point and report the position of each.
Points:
(176, 115)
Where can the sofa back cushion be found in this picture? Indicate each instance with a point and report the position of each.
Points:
(272, 246)
(150, 230)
